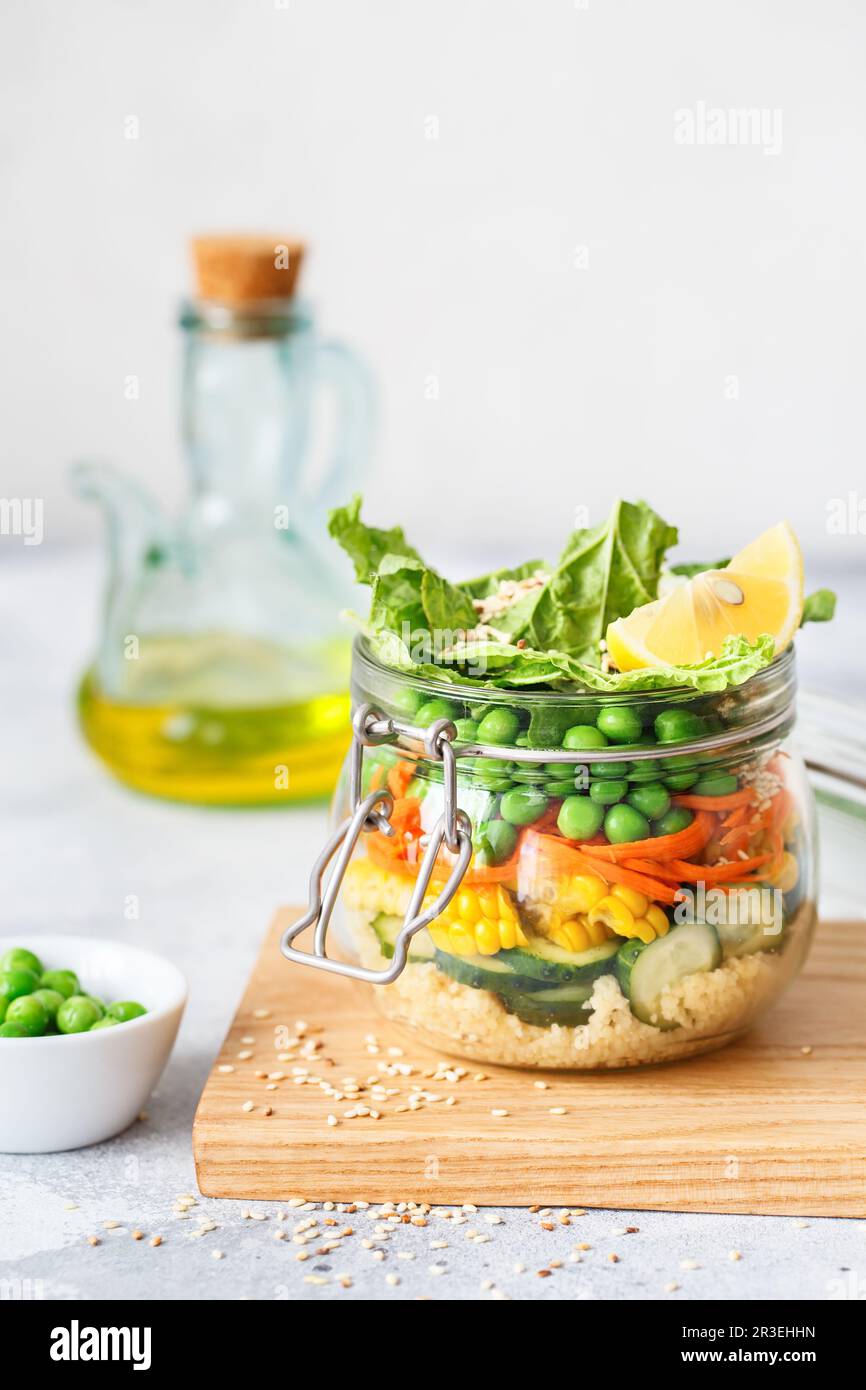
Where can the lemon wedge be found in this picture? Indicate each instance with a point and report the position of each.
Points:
(761, 590)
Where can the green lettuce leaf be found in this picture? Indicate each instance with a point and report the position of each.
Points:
(604, 573)
(819, 607)
(688, 571)
(514, 620)
(509, 667)
(365, 545)
(408, 598)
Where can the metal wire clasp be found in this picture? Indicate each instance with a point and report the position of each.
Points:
(453, 829)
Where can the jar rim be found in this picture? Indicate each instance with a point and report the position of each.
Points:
(768, 711)
(779, 675)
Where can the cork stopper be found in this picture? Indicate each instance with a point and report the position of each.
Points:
(246, 269)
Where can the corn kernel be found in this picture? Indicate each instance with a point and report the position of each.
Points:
(612, 912)
(785, 877)
(585, 891)
(643, 930)
(657, 919)
(635, 902)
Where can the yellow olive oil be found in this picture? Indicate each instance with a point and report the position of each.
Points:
(223, 720)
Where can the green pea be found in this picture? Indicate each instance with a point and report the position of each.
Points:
(499, 725)
(496, 842)
(564, 787)
(11, 1030)
(681, 781)
(673, 821)
(94, 999)
(522, 741)
(434, 709)
(20, 959)
(523, 805)
(579, 818)
(406, 701)
(467, 730)
(652, 800)
(608, 793)
(64, 981)
(106, 1022)
(50, 999)
(647, 771)
(620, 723)
(678, 726)
(27, 1013)
(14, 983)
(623, 823)
(614, 771)
(124, 1009)
(581, 736)
(716, 784)
(492, 774)
(77, 1014)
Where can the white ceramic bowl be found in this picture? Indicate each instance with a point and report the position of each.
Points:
(64, 1091)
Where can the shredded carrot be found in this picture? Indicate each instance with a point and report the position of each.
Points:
(743, 797)
(376, 779)
(399, 777)
(643, 882)
(389, 853)
(664, 847)
(551, 856)
(714, 873)
(737, 816)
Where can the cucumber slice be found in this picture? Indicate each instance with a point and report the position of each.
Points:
(421, 947)
(644, 972)
(482, 972)
(548, 963)
(565, 1005)
(748, 932)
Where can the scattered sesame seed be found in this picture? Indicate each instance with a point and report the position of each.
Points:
(689, 1264)
(155, 1240)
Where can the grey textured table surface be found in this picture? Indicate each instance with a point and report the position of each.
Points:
(75, 845)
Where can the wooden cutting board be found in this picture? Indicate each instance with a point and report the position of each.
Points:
(762, 1126)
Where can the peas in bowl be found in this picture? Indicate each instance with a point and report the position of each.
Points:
(64, 1082)
(32, 1006)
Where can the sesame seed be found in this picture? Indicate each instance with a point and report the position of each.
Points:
(155, 1240)
(689, 1264)
(248, 1106)
(225, 1068)
(734, 1255)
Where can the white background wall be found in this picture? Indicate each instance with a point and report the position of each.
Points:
(559, 383)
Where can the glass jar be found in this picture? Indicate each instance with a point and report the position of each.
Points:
(640, 883)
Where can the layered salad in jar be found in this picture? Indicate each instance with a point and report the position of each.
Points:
(641, 883)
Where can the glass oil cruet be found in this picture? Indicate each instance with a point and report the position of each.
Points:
(222, 670)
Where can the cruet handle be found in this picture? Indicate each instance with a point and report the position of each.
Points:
(342, 373)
